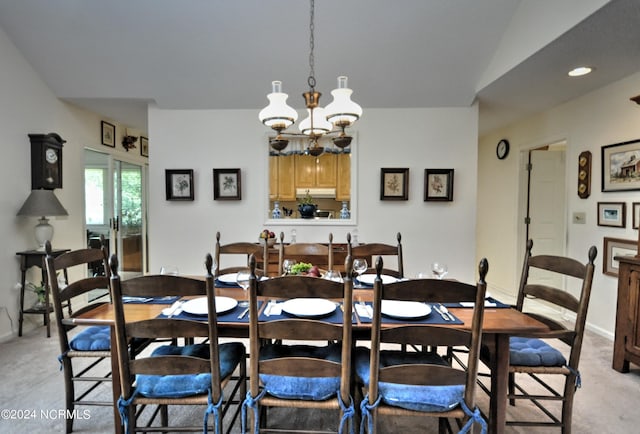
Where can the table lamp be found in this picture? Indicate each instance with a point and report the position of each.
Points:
(42, 203)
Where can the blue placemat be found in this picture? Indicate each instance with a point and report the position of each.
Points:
(150, 300)
(433, 318)
(335, 317)
(230, 316)
(221, 284)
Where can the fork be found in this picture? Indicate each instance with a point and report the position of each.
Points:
(446, 312)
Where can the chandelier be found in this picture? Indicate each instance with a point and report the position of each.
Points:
(331, 120)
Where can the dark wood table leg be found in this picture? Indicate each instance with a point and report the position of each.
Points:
(498, 344)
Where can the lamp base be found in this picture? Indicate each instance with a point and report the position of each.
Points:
(43, 232)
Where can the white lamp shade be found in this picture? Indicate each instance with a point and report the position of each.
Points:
(342, 110)
(278, 113)
(320, 123)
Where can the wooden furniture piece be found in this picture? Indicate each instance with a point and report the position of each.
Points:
(81, 353)
(313, 253)
(626, 346)
(370, 252)
(497, 326)
(548, 364)
(35, 258)
(317, 376)
(245, 249)
(439, 390)
(172, 374)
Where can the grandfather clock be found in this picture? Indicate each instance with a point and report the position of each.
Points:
(46, 161)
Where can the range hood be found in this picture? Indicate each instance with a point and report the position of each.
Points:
(317, 193)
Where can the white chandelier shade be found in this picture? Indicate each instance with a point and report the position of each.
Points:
(321, 125)
(342, 111)
(278, 115)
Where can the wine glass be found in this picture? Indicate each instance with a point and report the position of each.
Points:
(242, 278)
(287, 264)
(171, 270)
(360, 266)
(333, 275)
(439, 269)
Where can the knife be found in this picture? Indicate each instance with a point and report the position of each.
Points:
(243, 313)
(444, 317)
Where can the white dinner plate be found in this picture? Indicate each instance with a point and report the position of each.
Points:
(229, 278)
(308, 307)
(198, 306)
(404, 309)
(368, 279)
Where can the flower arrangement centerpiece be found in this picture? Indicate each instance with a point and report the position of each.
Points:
(306, 206)
(306, 269)
(269, 237)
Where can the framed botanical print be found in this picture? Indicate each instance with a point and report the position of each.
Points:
(635, 210)
(108, 134)
(394, 184)
(227, 184)
(179, 184)
(438, 185)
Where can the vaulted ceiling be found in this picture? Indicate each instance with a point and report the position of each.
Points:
(114, 57)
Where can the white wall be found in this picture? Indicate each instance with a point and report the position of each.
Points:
(181, 233)
(600, 118)
(28, 106)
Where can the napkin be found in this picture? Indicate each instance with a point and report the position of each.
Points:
(487, 303)
(273, 308)
(363, 310)
(174, 309)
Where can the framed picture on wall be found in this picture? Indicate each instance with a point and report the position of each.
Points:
(108, 134)
(144, 146)
(179, 184)
(616, 247)
(612, 214)
(438, 185)
(226, 184)
(394, 184)
(621, 166)
(635, 210)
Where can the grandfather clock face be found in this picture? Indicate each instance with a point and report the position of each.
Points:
(46, 161)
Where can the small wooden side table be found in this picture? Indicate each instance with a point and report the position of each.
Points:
(35, 258)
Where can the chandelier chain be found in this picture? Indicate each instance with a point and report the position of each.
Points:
(311, 81)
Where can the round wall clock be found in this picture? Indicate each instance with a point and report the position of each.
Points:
(502, 150)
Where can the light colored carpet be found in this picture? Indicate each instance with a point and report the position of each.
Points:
(32, 387)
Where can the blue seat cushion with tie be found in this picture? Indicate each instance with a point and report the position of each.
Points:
(533, 352)
(95, 338)
(410, 397)
(178, 386)
(307, 388)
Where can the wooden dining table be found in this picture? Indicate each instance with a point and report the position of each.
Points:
(498, 325)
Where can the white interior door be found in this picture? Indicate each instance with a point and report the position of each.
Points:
(547, 204)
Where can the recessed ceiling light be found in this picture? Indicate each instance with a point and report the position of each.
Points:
(579, 71)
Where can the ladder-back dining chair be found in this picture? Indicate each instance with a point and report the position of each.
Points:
(286, 373)
(242, 248)
(421, 383)
(193, 374)
(317, 254)
(370, 251)
(536, 362)
(84, 351)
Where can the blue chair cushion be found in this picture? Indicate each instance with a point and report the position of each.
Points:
(178, 386)
(533, 352)
(95, 338)
(306, 388)
(410, 397)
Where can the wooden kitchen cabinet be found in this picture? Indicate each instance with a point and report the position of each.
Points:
(626, 347)
(316, 172)
(281, 178)
(343, 178)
